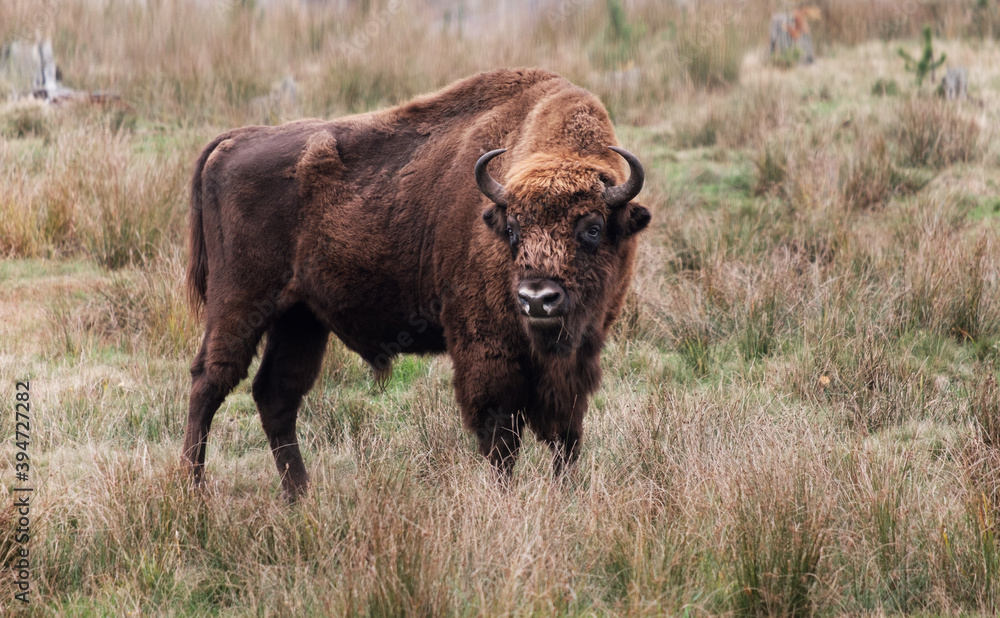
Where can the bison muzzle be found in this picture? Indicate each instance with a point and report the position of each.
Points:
(492, 220)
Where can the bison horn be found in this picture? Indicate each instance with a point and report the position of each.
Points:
(619, 195)
(490, 188)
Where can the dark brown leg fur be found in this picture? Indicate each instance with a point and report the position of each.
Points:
(220, 365)
(491, 394)
(499, 437)
(565, 451)
(292, 360)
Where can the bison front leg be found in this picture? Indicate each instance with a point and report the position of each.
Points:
(491, 395)
(565, 449)
(499, 437)
(563, 432)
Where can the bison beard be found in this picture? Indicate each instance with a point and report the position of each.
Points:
(402, 231)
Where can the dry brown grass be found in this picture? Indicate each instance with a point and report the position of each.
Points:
(87, 191)
(935, 133)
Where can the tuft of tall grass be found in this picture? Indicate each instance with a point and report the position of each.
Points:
(781, 529)
(985, 408)
(136, 310)
(759, 335)
(90, 192)
(148, 304)
(711, 45)
(893, 528)
(869, 176)
(878, 383)
(693, 331)
(973, 558)
(771, 162)
(973, 311)
(932, 132)
(951, 286)
(21, 119)
(753, 114)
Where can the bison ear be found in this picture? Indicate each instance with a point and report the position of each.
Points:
(630, 220)
(496, 220)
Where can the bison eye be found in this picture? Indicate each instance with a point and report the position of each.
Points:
(589, 234)
(513, 234)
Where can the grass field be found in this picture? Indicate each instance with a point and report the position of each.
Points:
(800, 412)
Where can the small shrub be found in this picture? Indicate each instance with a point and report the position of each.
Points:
(927, 63)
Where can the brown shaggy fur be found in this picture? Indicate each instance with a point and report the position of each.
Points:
(372, 227)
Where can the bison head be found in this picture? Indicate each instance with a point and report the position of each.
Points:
(568, 228)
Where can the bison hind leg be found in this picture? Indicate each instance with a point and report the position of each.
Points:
(293, 357)
(221, 363)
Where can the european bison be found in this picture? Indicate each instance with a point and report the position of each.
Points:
(388, 229)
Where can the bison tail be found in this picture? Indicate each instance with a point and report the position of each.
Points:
(197, 271)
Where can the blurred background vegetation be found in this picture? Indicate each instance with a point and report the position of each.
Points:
(187, 62)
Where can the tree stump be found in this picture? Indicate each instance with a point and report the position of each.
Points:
(955, 84)
(790, 31)
(30, 69)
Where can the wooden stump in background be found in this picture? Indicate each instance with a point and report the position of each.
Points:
(30, 69)
(955, 84)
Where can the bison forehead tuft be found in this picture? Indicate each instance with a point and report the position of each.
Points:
(547, 179)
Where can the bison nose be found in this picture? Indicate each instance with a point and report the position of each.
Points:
(541, 299)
